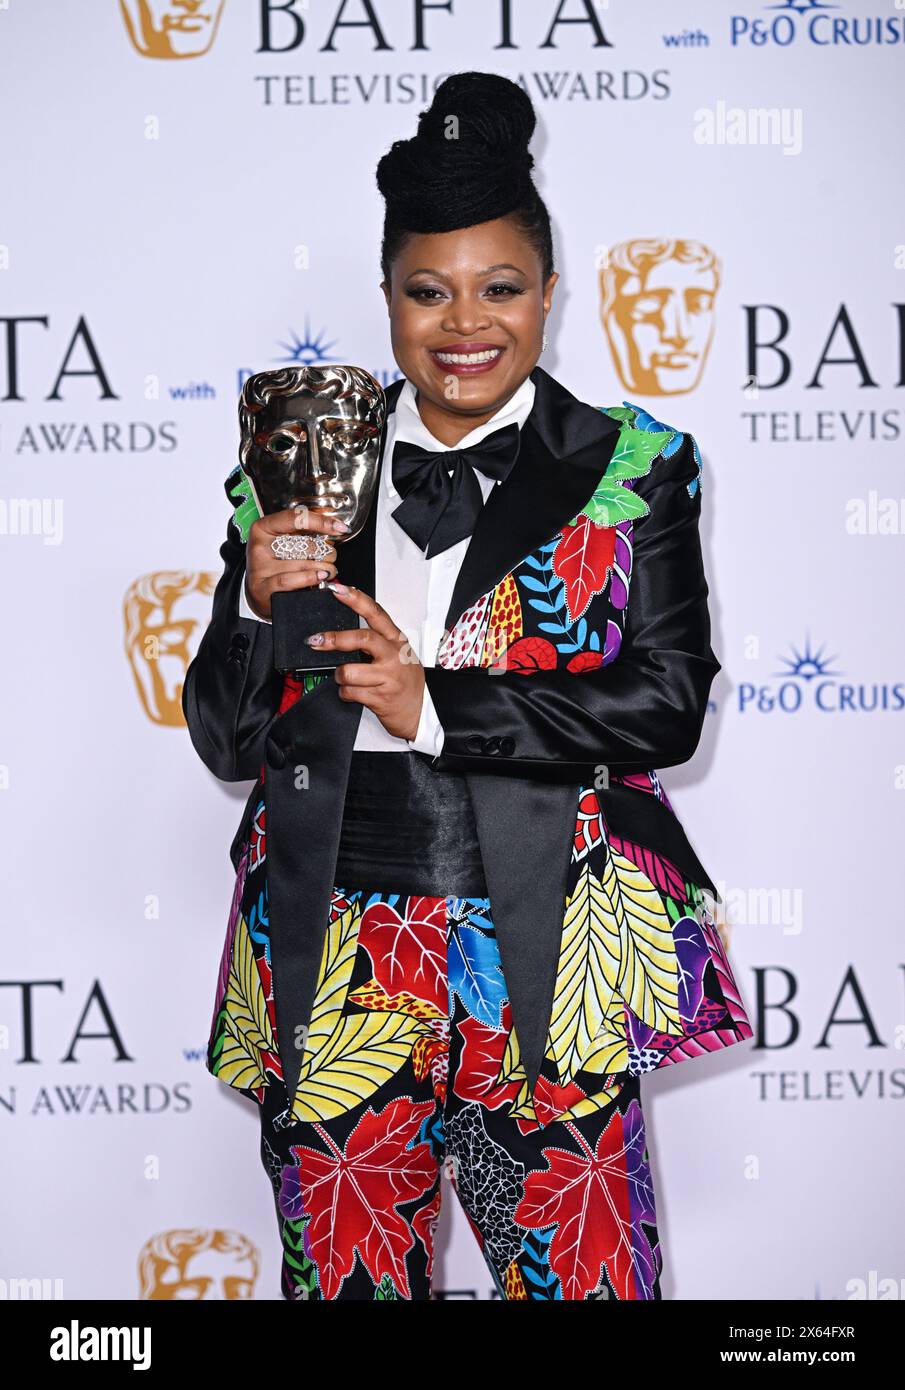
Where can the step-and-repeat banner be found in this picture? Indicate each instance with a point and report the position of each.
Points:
(188, 196)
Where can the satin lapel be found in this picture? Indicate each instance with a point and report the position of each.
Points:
(565, 447)
(526, 830)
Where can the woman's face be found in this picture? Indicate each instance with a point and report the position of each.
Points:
(467, 311)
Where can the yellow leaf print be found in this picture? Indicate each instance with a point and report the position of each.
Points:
(363, 1052)
(512, 1070)
(610, 1050)
(617, 944)
(649, 979)
(335, 974)
(590, 962)
(591, 1105)
(515, 1284)
(347, 1056)
(247, 1023)
(371, 996)
(505, 622)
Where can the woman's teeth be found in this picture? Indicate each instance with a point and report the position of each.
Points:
(456, 359)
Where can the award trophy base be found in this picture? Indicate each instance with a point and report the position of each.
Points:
(299, 613)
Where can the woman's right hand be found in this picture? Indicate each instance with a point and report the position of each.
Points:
(266, 573)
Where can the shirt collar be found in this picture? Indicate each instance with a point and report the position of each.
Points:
(410, 427)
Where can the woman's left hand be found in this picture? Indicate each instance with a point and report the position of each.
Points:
(392, 682)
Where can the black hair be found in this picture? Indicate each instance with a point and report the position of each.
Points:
(467, 163)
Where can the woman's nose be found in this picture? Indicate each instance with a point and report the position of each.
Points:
(466, 317)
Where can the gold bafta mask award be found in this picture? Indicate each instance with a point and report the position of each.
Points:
(310, 439)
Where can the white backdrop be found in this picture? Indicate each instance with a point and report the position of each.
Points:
(168, 225)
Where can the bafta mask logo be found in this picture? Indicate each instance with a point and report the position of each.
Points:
(172, 28)
(310, 437)
(197, 1264)
(657, 307)
(165, 615)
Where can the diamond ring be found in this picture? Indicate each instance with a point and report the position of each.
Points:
(299, 547)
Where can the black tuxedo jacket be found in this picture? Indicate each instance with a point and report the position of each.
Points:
(526, 743)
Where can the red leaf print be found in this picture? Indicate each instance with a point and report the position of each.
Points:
(424, 1224)
(480, 1062)
(291, 694)
(590, 826)
(586, 1197)
(661, 871)
(584, 558)
(527, 655)
(409, 952)
(551, 1100)
(352, 1197)
(584, 661)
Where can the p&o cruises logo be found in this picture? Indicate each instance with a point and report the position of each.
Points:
(811, 682)
(818, 22)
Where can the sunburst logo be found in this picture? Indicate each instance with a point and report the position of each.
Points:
(803, 6)
(313, 349)
(807, 663)
(811, 681)
(308, 351)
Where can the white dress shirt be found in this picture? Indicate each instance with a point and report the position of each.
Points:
(415, 590)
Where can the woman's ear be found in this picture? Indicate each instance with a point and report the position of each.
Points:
(386, 292)
(548, 291)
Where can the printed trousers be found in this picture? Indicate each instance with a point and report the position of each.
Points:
(405, 1082)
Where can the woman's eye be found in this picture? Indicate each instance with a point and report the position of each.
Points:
(427, 293)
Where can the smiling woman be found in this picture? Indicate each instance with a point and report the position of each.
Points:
(466, 919)
(467, 304)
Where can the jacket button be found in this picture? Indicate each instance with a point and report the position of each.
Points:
(492, 745)
(276, 756)
(507, 745)
(240, 640)
(474, 744)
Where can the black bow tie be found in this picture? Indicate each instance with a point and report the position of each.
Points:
(441, 507)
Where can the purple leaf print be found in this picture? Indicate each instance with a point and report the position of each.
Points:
(693, 954)
(612, 642)
(641, 1200)
(291, 1201)
(622, 565)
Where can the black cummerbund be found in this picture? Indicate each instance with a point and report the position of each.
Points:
(408, 828)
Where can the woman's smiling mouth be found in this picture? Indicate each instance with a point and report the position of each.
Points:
(466, 359)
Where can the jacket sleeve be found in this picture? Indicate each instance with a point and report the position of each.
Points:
(645, 709)
(232, 691)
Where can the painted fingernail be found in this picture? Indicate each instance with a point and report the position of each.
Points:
(323, 574)
(339, 525)
(337, 587)
(315, 640)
